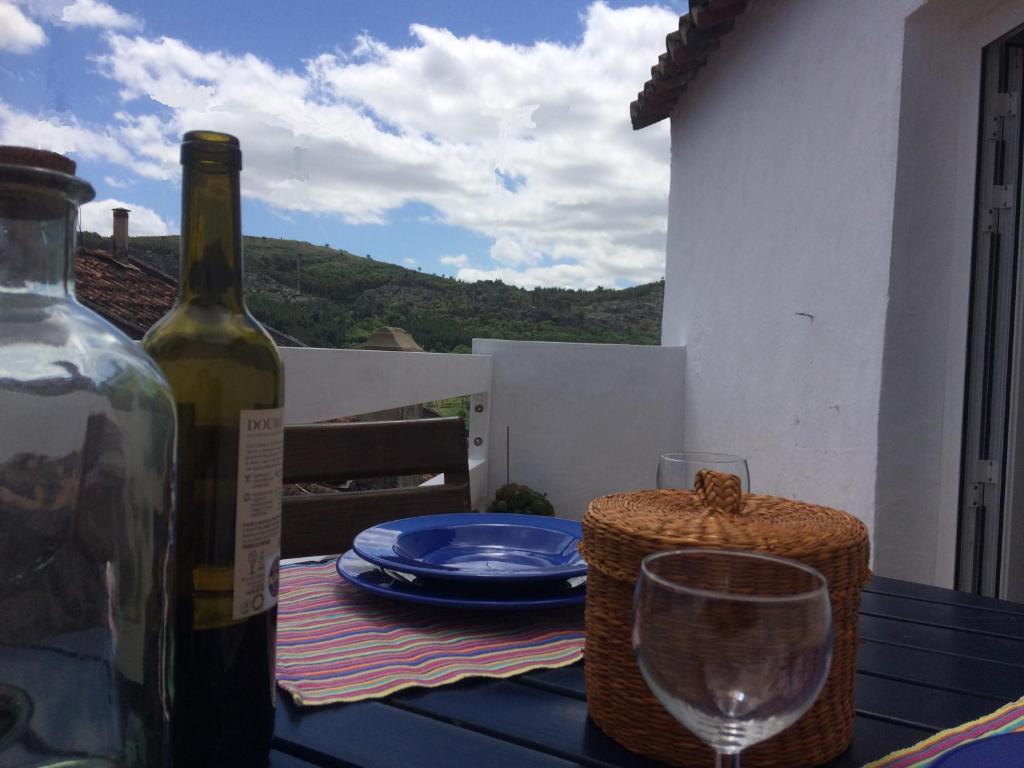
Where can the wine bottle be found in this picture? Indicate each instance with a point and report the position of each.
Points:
(228, 384)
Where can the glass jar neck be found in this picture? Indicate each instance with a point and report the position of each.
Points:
(38, 216)
(211, 236)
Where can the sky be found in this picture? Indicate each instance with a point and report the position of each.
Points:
(483, 140)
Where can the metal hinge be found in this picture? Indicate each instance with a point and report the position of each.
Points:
(975, 495)
(987, 471)
(1003, 196)
(993, 127)
(1005, 104)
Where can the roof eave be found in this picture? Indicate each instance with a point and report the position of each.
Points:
(686, 51)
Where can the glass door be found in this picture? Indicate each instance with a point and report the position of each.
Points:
(993, 406)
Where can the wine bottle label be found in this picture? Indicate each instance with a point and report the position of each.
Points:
(258, 511)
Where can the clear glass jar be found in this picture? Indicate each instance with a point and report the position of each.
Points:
(87, 430)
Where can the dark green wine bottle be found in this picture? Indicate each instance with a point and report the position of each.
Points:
(228, 383)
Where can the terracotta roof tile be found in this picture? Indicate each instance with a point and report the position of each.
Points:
(130, 294)
(686, 51)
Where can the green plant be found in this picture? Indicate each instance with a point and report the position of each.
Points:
(514, 497)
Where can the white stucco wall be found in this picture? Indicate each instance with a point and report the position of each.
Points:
(584, 420)
(824, 164)
(780, 231)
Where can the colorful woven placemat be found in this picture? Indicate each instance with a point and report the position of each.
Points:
(337, 643)
(1007, 719)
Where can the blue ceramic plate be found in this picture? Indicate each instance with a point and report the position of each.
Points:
(1006, 751)
(477, 546)
(415, 589)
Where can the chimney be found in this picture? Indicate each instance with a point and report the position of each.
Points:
(120, 244)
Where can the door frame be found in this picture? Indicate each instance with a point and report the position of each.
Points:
(970, 30)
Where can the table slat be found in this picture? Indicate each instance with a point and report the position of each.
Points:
(374, 735)
(969, 645)
(567, 681)
(956, 617)
(918, 705)
(537, 718)
(555, 723)
(923, 688)
(996, 681)
(283, 760)
(976, 677)
(926, 592)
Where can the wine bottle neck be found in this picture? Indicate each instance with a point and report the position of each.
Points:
(211, 236)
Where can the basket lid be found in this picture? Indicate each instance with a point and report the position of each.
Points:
(621, 529)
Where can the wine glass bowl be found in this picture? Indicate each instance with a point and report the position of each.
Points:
(735, 645)
(678, 470)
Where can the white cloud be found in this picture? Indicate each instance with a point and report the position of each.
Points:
(18, 33)
(410, 262)
(459, 260)
(64, 137)
(512, 252)
(96, 217)
(94, 13)
(116, 183)
(128, 143)
(528, 145)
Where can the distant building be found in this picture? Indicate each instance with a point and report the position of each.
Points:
(391, 339)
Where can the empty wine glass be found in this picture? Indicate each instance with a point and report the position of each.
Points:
(677, 470)
(735, 645)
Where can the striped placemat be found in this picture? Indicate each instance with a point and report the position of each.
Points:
(338, 643)
(1007, 719)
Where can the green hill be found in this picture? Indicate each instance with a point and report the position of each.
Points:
(331, 298)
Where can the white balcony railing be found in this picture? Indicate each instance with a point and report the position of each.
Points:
(573, 420)
(323, 384)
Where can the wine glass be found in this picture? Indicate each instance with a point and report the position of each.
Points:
(735, 645)
(677, 470)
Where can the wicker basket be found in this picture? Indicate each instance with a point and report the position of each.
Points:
(621, 529)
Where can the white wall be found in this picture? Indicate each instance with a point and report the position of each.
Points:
(584, 419)
(322, 384)
(780, 231)
(926, 329)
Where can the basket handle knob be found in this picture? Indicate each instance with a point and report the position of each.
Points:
(719, 492)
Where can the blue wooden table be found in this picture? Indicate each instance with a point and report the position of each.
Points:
(929, 659)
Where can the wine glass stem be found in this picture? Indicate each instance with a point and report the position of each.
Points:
(727, 761)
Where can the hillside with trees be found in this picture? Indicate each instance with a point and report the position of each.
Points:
(327, 297)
